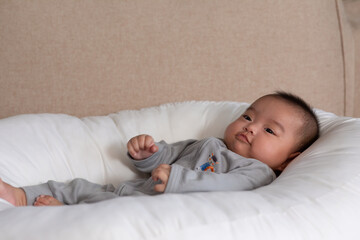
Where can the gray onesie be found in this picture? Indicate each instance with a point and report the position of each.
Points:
(204, 165)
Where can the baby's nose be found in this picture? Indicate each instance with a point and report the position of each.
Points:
(250, 128)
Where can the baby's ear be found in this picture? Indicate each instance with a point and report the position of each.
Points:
(290, 158)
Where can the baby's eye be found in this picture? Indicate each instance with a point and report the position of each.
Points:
(246, 117)
(269, 131)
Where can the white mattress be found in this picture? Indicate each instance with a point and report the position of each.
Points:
(316, 197)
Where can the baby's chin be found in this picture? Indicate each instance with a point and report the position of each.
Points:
(241, 152)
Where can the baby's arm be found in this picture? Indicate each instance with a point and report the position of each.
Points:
(141, 147)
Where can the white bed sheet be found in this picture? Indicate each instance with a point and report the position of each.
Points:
(316, 197)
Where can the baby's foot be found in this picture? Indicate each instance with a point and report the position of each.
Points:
(46, 200)
(15, 196)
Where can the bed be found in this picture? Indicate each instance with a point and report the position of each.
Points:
(79, 79)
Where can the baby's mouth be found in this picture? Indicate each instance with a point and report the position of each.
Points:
(242, 137)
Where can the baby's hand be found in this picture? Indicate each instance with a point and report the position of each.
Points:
(141, 147)
(162, 173)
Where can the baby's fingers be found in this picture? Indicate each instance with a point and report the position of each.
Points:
(153, 148)
(160, 188)
(144, 142)
(133, 147)
(141, 141)
(141, 147)
(161, 173)
(148, 142)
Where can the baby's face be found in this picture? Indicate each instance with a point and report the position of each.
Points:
(267, 131)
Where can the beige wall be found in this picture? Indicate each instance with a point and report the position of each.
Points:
(352, 8)
(97, 57)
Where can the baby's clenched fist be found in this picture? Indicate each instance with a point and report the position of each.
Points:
(141, 147)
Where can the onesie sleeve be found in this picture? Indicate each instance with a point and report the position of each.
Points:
(183, 180)
(167, 154)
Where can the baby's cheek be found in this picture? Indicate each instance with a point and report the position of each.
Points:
(262, 152)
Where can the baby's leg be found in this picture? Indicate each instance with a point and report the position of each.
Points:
(15, 196)
(74, 192)
(46, 200)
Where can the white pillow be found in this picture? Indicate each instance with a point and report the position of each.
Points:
(318, 192)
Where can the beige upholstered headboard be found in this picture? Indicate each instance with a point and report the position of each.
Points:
(97, 57)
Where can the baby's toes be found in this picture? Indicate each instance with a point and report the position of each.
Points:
(54, 202)
(44, 200)
(40, 201)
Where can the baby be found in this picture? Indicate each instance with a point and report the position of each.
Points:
(260, 143)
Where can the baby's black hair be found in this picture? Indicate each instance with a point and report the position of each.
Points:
(310, 131)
